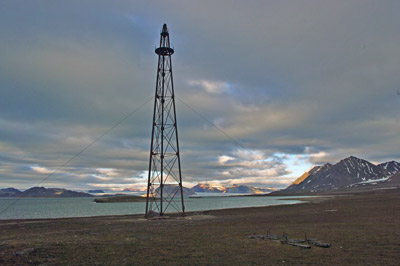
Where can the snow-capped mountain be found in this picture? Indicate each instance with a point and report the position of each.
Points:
(347, 173)
(208, 188)
(243, 189)
(392, 167)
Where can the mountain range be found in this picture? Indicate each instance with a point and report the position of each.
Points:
(348, 174)
(59, 192)
(201, 187)
(42, 192)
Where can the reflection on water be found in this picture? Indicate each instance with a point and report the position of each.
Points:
(29, 208)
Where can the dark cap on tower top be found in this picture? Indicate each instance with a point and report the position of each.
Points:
(164, 31)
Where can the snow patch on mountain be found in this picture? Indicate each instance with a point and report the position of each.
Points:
(349, 172)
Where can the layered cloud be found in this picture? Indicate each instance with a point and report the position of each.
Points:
(212, 87)
(287, 85)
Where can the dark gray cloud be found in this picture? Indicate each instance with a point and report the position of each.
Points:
(295, 83)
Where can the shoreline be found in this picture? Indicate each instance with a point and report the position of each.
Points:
(302, 200)
(363, 229)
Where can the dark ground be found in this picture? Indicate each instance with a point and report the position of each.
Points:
(364, 229)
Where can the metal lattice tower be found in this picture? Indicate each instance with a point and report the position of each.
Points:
(164, 188)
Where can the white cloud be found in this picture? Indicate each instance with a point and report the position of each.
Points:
(224, 159)
(250, 166)
(108, 172)
(41, 170)
(212, 87)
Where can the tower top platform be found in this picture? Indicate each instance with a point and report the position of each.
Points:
(164, 49)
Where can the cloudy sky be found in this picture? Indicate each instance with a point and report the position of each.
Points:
(291, 84)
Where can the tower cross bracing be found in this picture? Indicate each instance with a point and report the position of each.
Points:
(164, 188)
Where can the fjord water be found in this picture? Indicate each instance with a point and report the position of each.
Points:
(35, 208)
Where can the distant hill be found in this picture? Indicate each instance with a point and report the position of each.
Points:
(349, 173)
(172, 189)
(8, 192)
(124, 198)
(132, 190)
(239, 189)
(96, 191)
(41, 192)
(248, 189)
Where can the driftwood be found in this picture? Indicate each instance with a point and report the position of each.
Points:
(319, 244)
(257, 237)
(284, 239)
(299, 245)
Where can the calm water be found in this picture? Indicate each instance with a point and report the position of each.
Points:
(29, 208)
